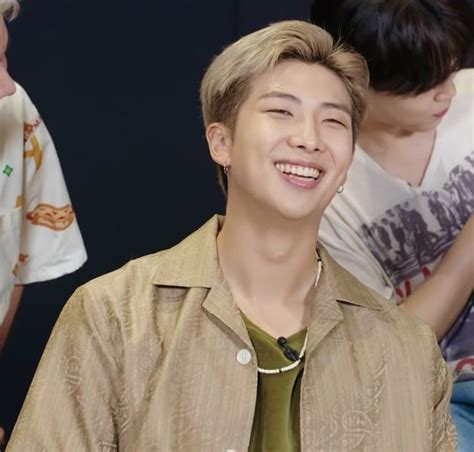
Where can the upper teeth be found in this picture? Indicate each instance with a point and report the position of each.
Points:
(297, 170)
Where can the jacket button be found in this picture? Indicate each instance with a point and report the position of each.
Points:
(244, 356)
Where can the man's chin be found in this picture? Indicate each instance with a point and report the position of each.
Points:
(303, 214)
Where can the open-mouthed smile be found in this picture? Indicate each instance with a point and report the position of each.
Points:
(300, 175)
(298, 170)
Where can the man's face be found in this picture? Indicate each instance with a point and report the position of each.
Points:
(7, 87)
(292, 143)
(413, 113)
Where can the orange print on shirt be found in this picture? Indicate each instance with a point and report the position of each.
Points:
(55, 218)
(28, 129)
(35, 152)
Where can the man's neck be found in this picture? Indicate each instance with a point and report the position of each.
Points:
(270, 267)
(401, 153)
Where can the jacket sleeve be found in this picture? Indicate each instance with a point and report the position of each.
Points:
(444, 432)
(73, 402)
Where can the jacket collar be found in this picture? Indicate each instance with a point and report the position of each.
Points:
(194, 263)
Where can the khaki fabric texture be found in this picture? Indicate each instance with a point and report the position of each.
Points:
(145, 359)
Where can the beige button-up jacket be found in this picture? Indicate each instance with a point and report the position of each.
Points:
(145, 359)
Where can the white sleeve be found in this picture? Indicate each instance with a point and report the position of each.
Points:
(51, 244)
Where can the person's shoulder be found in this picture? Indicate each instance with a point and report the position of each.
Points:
(385, 311)
(404, 328)
(404, 323)
(171, 267)
(347, 286)
(18, 98)
(20, 92)
(457, 125)
(19, 106)
(464, 82)
(124, 294)
(134, 276)
(462, 104)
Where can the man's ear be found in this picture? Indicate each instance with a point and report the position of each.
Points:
(219, 140)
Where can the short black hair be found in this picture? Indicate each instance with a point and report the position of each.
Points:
(410, 45)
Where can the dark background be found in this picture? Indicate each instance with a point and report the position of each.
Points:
(116, 83)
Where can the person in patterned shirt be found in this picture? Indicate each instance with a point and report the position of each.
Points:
(39, 236)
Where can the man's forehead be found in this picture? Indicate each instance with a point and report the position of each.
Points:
(296, 81)
(343, 106)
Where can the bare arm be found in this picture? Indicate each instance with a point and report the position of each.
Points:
(12, 308)
(442, 297)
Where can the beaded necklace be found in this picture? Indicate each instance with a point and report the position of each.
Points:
(303, 349)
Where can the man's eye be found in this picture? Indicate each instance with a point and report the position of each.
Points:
(280, 112)
(335, 121)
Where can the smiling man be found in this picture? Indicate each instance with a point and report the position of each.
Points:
(247, 335)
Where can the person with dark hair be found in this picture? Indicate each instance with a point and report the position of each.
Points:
(415, 139)
(246, 336)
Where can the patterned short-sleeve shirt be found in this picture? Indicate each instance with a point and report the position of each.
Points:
(39, 235)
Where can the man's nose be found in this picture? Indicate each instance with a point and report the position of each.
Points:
(445, 91)
(306, 137)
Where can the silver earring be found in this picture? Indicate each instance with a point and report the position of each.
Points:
(340, 189)
(226, 169)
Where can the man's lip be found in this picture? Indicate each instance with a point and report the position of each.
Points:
(441, 113)
(303, 163)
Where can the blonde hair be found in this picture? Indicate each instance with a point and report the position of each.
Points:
(9, 8)
(226, 83)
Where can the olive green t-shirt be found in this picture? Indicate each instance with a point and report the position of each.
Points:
(276, 424)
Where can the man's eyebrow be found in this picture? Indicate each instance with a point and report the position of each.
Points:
(281, 95)
(337, 106)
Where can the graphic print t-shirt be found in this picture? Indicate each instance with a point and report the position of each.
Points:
(392, 235)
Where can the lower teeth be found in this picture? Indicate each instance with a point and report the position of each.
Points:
(298, 175)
